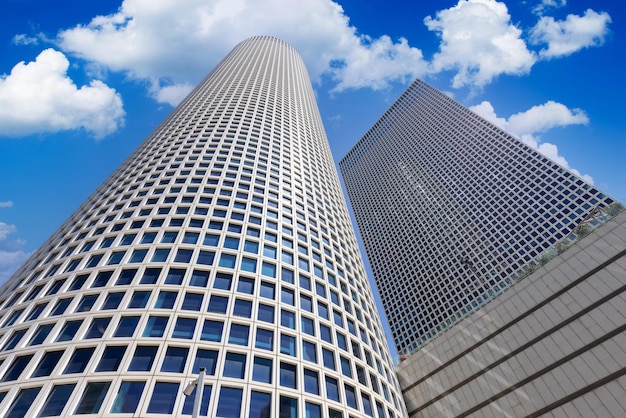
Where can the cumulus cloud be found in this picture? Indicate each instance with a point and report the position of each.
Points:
(564, 37)
(23, 39)
(5, 230)
(541, 118)
(479, 42)
(39, 97)
(10, 261)
(549, 4)
(174, 43)
(7, 204)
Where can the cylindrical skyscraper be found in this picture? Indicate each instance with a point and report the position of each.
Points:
(222, 242)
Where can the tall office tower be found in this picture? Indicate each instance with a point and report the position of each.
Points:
(451, 210)
(222, 242)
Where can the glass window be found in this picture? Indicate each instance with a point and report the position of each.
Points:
(268, 269)
(222, 281)
(139, 299)
(262, 370)
(126, 327)
(266, 313)
(218, 304)
(264, 339)
(206, 359)
(128, 397)
(328, 358)
(60, 307)
(242, 308)
(332, 389)
(56, 400)
(111, 359)
(175, 276)
(206, 258)
(199, 278)
(248, 264)
(92, 398)
(97, 328)
(312, 410)
(287, 296)
(229, 403)
(102, 279)
(56, 286)
(311, 382)
(185, 328)
(231, 242)
(288, 319)
(169, 237)
(86, 303)
(163, 398)
(309, 351)
(155, 326)
(245, 285)
(288, 345)
(192, 301)
(138, 256)
(22, 402)
(367, 405)
(326, 334)
(346, 369)
(235, 365)
(47, 363)
(267, 290)
(351, 396)
(112, 300)
(148, 237)
(166, 300)
(40, 335)
(212, 331)
(228, 260)
(69, 330)
(260, 404)
(308, 326)
(341, 341)
(238, 334)
(16, 368)
(190, 237)
(150, 276)
(175, 360)
(37, 310)
(143, 358)
(204, 403)
(79, 360)
(160, 255)
(288, 407)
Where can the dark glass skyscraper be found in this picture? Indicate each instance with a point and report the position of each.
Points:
(222, 242)
(452, 209)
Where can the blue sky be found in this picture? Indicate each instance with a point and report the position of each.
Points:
(82, 83)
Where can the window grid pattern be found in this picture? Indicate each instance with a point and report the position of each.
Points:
(181, 258)
(462, 205)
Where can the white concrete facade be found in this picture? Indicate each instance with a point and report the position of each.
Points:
(553, 344)
(222, 242)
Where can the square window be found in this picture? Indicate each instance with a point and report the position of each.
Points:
(211, 239)
(128, 397)
(79, 360)
(218, 304)
(206, 359)
(139, 299)
(156, 326)
(92, 398)
(69, 330)
(242, 308)
(199, 278)
(175, 276)
(311, 382)
(212, 331)
(245, 285)
(264, 339)
(183, 256)
(235, 365)
(56, 400)
(185, 328)
(192, 301)
(265, 313)
(248, 264)
(175, 360)
(166, 300)
(126, 326)
(228, 260)
(143, 358)
(160, 255)
(112, 300)
(287, 344)
(111, 359)
(97, 328)
(150, 276)
(206, 257)
(267, 290)
(262, 370)
(239, 334)
(163, 398)
(288, 375)
(229, 403)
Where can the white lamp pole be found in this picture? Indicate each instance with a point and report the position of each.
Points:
(199, 390)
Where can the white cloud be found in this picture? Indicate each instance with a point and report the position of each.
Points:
(7, 204)
(549, 4)
(5, 230)
(540, 118)
(10, 261)
(564, 37)
(174, 43)
(23, 39)
(479, 42)
(39, 97)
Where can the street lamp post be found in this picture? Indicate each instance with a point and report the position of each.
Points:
(198, 384)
